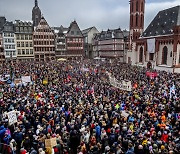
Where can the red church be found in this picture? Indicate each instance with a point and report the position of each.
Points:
(158, 46)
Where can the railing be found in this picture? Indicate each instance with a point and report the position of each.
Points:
(5, 149)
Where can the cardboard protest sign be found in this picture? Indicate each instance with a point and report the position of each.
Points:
(17, 82)
(12, 118)
(50, 143)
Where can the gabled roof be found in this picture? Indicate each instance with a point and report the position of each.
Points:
(164, 22)
(87, 30)
(75, 29)
(10, 26)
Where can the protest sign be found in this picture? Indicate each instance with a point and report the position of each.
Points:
(17, 82)
(50, 143)
(124, 114)
(12, 118)
(26, 79)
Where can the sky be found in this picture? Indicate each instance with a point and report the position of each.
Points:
(102, 14)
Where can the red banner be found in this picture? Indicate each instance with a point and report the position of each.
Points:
(152, 75)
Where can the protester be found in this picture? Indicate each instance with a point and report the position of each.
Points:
(75, 103)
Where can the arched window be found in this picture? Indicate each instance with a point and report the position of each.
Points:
(137, 6)
(141, 20)
(142, 6)
(136, 19)
(164, 55)
(132, 24)
(141, 55)
(132, 7)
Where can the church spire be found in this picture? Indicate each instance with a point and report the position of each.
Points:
(36, 3)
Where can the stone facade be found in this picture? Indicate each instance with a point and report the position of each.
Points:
(88, 35)
(2, 57)
(24, 40)
(9, 40)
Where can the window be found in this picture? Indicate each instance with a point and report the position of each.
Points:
(13, 46)
(136, 19)
(17, 37)
(21, 29)
(22, 37)
(78, 32)
(164, 55)
(142, 6)
(22, 44)
(72, 32)
(151, 56)
(27, 51)
(18, 44)
(26, 37)
(31, 51)
(17, 29)
(27, 44)
(9, 40)
(132, 7)
(6, 46)
(23, 51)
(141, 20)
(141, 55)
(12, 35)
(19, 52)
(137, 6)
(171, 54)
(7, 53)
(25, 29)
(30, 37)
(14, 53)
(6, 40)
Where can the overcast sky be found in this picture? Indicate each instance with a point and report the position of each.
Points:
(103, 14)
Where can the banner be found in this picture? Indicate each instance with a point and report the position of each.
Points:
(26, 79)
(151, 45)
(12, 118)
(152, 75)
(123, 85)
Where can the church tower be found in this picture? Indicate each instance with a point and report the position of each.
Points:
(136, 19)
(36, 14)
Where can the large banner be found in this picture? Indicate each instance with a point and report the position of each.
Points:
(26, 79)
(152, 75)
(151, 45)
(123, 85)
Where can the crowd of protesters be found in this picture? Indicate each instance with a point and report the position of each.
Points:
(74, 102)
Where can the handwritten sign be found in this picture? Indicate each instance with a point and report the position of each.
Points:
(50, 143)
(12, 118)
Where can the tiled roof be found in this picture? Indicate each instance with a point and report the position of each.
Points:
(164, 22)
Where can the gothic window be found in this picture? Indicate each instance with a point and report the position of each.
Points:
(132, 7)
(136, 19)
(137, 6)
(141, 55)
(142, 6)
(164, 55)
(141, 20)
(132, 20)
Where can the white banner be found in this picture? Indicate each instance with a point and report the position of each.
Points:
(151, 45)
(124, 85)
(26, 79)
(12, 118)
